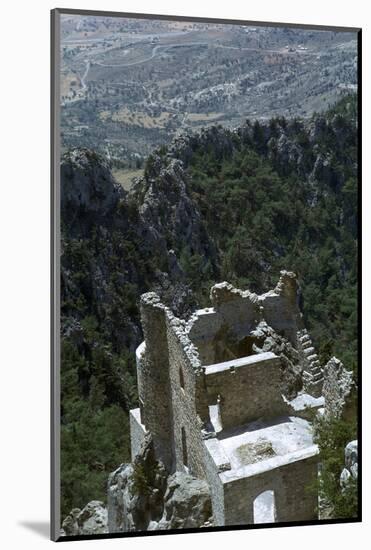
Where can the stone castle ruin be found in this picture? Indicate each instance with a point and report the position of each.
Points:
(223, 434)
(228, 397)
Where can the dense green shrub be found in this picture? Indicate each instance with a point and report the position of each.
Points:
(332, 436)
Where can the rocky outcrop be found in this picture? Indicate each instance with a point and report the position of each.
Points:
(111, 241)
(70, 526)
(141, 497)
(187, 503)
(350, 471)
(136, 491)
(118, 499)
(285, 152)
(91, 520)
(168, 210)
(88, 191)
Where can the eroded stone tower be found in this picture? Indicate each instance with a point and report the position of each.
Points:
(227, 397)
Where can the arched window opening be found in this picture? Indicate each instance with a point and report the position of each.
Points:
(265, 508)
(184, 449)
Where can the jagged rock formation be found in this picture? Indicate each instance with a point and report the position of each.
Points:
(89, 192)
(102, 222)
(118, 498)
(187, 503)
(70, 527)
(142, 496)
(167, 209)
(160, 217)
(91, 520)
(135, 492)
(350, 471)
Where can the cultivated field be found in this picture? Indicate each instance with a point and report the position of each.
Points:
(129, 85)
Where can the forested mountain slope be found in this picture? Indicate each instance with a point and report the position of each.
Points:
(219, 205)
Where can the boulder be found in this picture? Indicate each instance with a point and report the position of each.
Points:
(70, 526)
(143, 497)
(91, 520)
(350, 472)
(351, 458)
(187, 503)
(118, 499)
(136, 492)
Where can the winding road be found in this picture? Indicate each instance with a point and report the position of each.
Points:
(153, 54)
(82, 79)
(165, 47)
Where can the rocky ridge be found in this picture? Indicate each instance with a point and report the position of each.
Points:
(141, 496)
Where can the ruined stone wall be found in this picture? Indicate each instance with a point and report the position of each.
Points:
(203, 328)
(294, 500)
(186, 382)
(246, 392)
(239, 313)
(222, 331)
(213, 468)
(177, 380)
(279, 314)
(153, 379)
(339, 391)
(239, 309)
(280, 307)
(137, 432)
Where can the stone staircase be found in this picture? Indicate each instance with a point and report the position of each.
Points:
(312, 371)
